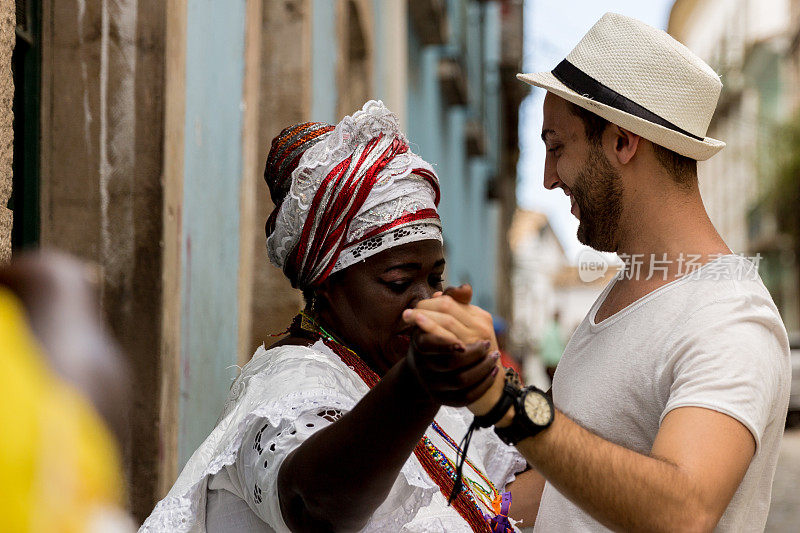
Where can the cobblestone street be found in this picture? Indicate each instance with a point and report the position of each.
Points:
(784, 514)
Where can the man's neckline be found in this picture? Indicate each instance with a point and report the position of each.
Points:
(595, 326)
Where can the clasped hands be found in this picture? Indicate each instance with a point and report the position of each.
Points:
(454, 351)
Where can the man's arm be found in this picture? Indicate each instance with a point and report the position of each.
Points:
(697, 462)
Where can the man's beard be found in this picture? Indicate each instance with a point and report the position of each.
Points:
(598, 193)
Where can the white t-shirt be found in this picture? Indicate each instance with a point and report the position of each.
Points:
(712, 339)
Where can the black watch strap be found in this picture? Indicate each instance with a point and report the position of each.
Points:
(499, 410)
(521, 427)
(512, 434)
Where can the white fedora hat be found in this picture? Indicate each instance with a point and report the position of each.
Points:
(640, 79)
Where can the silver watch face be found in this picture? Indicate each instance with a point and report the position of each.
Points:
(537, 408)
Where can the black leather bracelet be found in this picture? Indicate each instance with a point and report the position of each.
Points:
(499, 410)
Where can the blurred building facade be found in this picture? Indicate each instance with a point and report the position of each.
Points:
(537, 258)
(753, 46)
(545, 285)
(140, 141)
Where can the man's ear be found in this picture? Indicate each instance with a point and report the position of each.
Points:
(625, 144)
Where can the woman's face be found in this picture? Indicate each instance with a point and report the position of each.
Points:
(364, 303)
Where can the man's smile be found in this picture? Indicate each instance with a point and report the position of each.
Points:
(574, 209)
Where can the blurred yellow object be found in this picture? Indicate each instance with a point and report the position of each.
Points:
(59, 464)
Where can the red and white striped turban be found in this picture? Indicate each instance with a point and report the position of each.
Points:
(355, 190)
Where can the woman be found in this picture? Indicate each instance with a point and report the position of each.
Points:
(333, 427)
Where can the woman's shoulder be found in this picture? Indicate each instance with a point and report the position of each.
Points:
(286, 381)
(289, 357)
(293, 370)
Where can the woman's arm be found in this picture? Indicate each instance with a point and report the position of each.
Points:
(336, 479)
(526, 495)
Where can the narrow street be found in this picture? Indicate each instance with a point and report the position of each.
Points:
(784, 514)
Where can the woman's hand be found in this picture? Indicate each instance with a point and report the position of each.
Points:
(447, 324)
(452, 373)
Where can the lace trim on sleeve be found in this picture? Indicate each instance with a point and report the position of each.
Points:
(181, 509)
(502, 462)
(266, 445)
(261, 396)
(259, 463)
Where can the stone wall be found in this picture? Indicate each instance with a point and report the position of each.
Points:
(7, 39)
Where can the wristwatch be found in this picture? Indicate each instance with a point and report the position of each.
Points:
(533, 412)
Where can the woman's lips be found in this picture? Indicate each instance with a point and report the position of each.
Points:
(404, 341)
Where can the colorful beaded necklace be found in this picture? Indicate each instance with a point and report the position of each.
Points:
(435, 463)
(489, 492)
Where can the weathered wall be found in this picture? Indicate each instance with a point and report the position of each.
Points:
(285, 100)
(211, 223)
(390, 56)
(174, 111)
(140, 310)
(354, 69)
(513, 92)
(324, 59)
(101, 192)
(7, 38)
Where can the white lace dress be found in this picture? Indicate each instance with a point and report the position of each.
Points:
(282, 396)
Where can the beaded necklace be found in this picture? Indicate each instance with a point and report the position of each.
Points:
(435, 463)
(490, 494)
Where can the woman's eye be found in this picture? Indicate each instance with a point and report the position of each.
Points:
(397, 286)
(553, 149)
(436, 280)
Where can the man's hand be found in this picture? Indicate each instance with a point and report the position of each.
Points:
(450, 317)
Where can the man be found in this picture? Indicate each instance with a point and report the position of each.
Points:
(671, 396)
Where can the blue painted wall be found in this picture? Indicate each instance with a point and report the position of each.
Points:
(438, 132)
(379, 66)
(210, 229)
(323, 61)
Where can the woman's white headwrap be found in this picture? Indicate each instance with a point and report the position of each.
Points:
(356, 191)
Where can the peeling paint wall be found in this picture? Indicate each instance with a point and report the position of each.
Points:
(101, 191)
(211, 215)
(211, 112)
(285, 99)
(7, 38)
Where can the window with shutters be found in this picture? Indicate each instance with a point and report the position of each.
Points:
(26, 68)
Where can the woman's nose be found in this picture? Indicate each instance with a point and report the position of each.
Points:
(422, 291)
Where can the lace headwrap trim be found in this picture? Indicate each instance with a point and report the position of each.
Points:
(357, 191)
